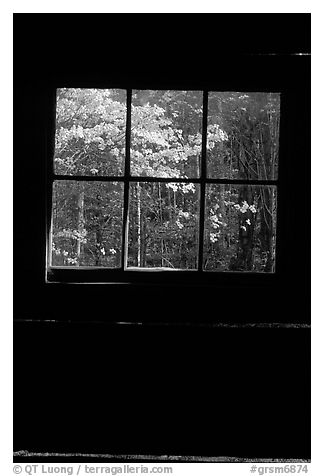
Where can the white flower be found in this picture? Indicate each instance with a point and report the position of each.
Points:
(213, 237)
(174, 186)
(72, 260)
(112, 251)
(248, 221)
(245, 207)
(180, 225)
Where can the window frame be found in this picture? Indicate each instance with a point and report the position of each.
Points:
(158, 276)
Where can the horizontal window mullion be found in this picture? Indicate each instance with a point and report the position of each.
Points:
(122, 178)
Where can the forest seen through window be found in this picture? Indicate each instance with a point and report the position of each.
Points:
(141, 161)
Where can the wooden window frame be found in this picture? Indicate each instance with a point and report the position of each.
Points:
(165, 276)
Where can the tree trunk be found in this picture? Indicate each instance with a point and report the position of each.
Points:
(138, 193)
(161, 221)
(133, 227)
(243, 261)
(267, 228)
(143, 240)
(244, 257)
(80, 208)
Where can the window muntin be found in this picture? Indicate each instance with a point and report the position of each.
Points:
(165, 192)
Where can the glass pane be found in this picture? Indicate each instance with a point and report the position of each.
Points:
(243, 135)
(87, 223)
(166, 133)
(90, 132)
(163, 225)
(240, 228)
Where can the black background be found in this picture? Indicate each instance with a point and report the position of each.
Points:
(178, 383)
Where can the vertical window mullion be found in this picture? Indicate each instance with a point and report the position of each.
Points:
(203, 176)
(126, 177)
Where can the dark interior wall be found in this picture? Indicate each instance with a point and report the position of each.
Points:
(86, 384)
(162, 390)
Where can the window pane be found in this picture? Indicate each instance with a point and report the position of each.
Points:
(243, 135)
(163, 225)
(90, 132)
(87, 223)
(240, 228)
(166, 133)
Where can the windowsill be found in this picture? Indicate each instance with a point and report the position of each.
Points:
(157, 276)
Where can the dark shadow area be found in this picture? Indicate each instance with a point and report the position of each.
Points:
(165, 390)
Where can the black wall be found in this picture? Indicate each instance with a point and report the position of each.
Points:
(178, 383)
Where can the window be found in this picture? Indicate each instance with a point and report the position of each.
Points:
(160, 180)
